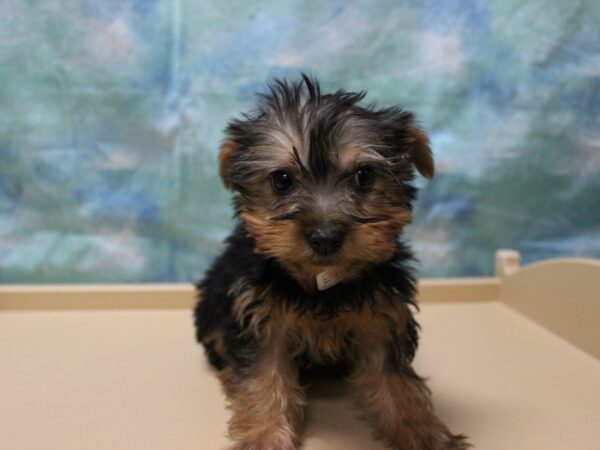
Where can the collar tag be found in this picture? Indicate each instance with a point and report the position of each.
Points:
(325, 281)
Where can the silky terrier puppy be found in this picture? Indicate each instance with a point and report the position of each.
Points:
(315, 275)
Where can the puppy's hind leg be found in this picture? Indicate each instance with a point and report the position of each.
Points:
(398, 404)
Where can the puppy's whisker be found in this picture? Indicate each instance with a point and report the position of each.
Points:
(371, 219)
(285, 216)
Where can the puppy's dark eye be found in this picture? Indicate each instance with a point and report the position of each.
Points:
(365, 177)
(281, 180)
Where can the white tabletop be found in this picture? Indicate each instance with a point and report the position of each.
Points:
(137, 380)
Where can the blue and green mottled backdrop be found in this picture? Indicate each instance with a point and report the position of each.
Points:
(111, 112)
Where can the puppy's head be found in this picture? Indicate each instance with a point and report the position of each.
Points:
(323, 184)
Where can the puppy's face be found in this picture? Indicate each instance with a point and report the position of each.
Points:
(321, 183)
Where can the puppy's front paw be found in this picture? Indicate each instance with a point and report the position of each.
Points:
(262, 446)
(273, 439)
(457, 442)
(430, 441)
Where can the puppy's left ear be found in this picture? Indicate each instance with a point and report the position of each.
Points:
(421, 151)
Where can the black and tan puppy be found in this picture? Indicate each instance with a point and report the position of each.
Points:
(315, 275)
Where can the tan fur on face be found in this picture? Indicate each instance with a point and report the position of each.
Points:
(284, 242)
(366, 244)
(278, 239)
(376, 242)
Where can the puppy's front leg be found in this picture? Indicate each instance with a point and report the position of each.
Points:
(266, 401)
(398, 403)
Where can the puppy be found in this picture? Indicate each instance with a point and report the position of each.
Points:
(315, 275)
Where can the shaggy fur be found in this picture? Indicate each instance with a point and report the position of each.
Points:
(315, 275)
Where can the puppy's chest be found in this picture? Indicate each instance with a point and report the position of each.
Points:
(327, 340)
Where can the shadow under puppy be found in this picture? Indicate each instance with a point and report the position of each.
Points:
(314, 275)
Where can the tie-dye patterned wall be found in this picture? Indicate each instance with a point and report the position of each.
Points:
(111, 112)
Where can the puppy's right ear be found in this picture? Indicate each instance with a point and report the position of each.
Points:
(227, 148)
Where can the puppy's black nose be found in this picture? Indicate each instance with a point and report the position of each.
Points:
(325, 241)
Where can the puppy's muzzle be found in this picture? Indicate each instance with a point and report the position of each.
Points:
(325, 241)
